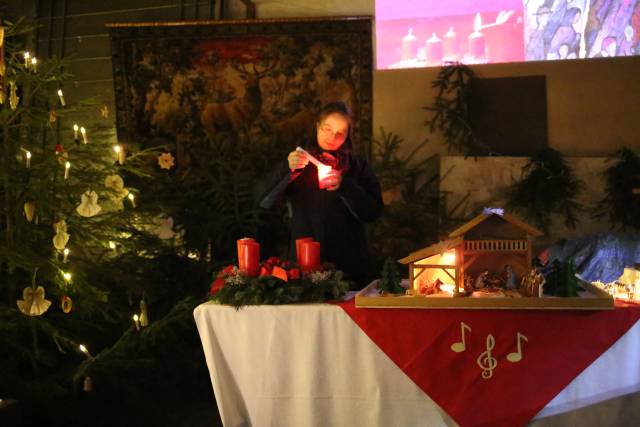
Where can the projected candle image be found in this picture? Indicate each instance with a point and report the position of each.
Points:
(412, 34)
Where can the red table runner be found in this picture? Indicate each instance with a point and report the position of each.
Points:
(485, 380)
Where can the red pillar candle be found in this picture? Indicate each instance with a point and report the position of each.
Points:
(310, 257)
(248, 257)
(299, 248)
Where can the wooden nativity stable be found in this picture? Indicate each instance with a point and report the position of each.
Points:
(489, 242)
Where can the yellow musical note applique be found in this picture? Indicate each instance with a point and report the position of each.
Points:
(461, 345)
(487, 362)
(517, 356)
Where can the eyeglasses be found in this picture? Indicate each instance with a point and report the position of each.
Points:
(327, 130)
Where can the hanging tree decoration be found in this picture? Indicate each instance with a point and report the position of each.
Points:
(66, 304)
(33, 302)
(13, 95)
(29, 210)
(89, 206)
(61, 237)
(166, 161)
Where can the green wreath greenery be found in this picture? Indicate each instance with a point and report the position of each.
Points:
(233, 288)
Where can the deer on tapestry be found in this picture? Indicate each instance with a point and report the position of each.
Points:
(237, 115)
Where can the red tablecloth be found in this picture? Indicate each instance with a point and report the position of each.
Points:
(558, 346)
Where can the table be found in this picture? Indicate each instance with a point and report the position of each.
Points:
(312, 365)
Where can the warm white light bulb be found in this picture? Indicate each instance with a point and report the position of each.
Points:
(117, 149)
(135, 318)
(67, 276)
(28, 154)
(112, 245)
(83, 348)
(131, 196)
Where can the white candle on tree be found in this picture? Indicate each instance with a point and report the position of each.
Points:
(83, 131)
(61, 96)
(75, 131)
(67, 166)
(28, 158)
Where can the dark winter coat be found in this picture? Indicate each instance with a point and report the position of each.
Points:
(334, 218)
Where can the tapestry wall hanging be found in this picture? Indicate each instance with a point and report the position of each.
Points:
(178, 84)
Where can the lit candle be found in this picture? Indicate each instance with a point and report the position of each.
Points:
(434, 50)
(408, 46)
(84, 350)
(450, 45)
(120, 152)
(34, 64)
(310, 259)
(66, 255)
(67, 166)
(67, 277)
(112, 245)
(299, 247)
(136, 321)
(27, 55)
(28, 159)
(61, 96)
(132, 198)
(476, 40)
(323, 170)
(75, 131)
(83, 131)
(249, 257)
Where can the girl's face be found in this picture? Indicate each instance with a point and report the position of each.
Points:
(332, 132)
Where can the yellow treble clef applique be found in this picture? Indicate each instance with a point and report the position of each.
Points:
(487, 362)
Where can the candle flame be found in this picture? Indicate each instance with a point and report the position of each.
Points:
(323, 171)
(83, 348)
(75, 127)
(117, 148)
(135, 318)
(28, 154)
(67, 165)
(477, 23)
(66, 251)
(59, 92)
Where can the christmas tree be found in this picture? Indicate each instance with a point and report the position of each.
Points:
(84, 259)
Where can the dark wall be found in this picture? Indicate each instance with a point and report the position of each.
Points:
(76, 29)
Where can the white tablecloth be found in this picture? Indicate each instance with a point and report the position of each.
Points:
(311, 365)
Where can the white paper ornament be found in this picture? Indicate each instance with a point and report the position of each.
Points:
(33, 302)
(166, 161)
(13, 95)
(61, 239)
(116, 183)
(29, 210)
(163, 227)
(89, 206)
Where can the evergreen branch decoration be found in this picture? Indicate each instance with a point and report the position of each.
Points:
(548, 187)
(621, 205)
(237, 290)
(450, 109)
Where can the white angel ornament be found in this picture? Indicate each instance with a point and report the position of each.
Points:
(89, 206)
(33, 302)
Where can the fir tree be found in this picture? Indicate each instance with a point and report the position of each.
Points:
(67, 217)
(390, 278)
